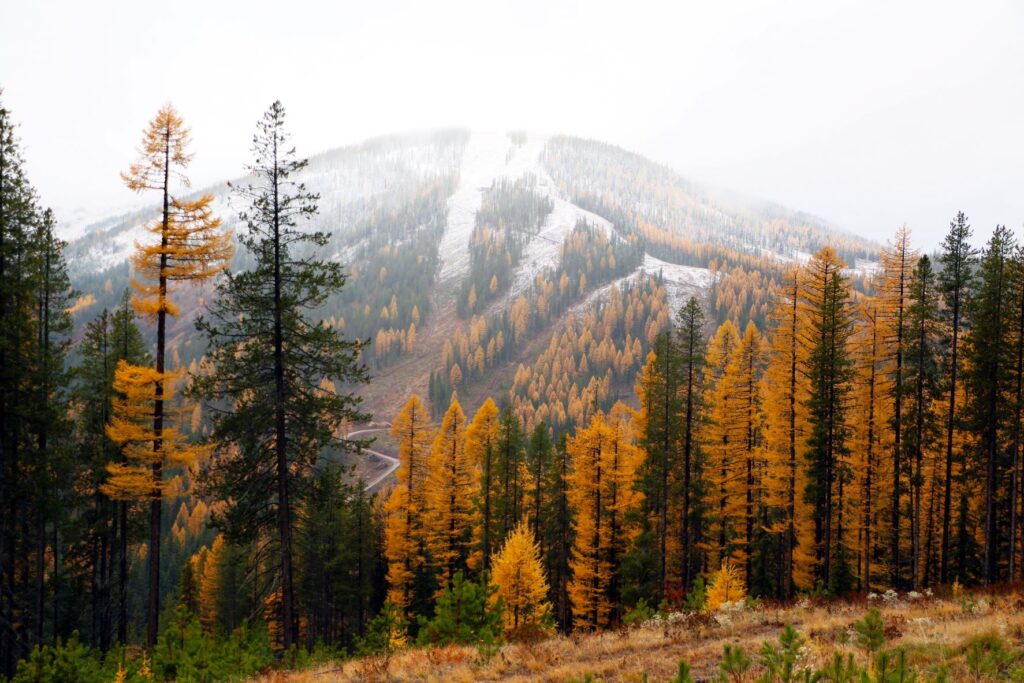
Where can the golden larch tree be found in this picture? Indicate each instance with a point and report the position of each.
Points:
(404, 539)
(209, 585)
(131, 426)
(785, 388)
(897, 264)
(450, 494)
(745, 371)
(725, 586)
(189, 246)
(725, 466)
(601, 491)
(518, 577)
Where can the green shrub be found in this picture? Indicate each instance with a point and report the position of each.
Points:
(780, 663)
(870, 632)
(988, 656)
(463, 615)
(639, 614)
(697, 597)
(71, 662)
(682, 673)
(735, 663)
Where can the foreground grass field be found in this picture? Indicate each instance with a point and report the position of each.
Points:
(964, 637)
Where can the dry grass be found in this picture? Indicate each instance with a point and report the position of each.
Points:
(933, 631)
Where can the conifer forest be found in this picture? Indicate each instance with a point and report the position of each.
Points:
(466, 405)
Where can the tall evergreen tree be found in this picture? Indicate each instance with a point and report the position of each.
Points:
(18, 214)
(269, 356)
(921, 377)
(1017, 470)
(693, 355)
(955, 281)
(50, 466)
(539, 462)
(336, 551)
(989, 410)
(558, 531)
(828, 323)
(870, 436)
(511, 472)
(661, 405)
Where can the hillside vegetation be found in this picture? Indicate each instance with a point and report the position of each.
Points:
(964, 637)
(583, 435)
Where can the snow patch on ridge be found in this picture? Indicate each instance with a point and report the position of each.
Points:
(484, 159)
(681, 282)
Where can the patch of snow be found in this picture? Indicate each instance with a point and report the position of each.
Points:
(680, 282)
(545, 248)
(865, 267)
(601, 293)
(73, 224)
(484, 159)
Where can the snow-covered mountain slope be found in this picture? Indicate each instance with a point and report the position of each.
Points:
(404, 211)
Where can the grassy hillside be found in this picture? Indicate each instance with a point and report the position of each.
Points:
(973, 637)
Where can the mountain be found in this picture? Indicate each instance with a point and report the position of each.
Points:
(537, 269)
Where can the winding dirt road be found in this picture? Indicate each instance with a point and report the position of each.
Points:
(392, 462)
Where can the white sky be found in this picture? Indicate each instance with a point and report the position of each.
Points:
(868, 114)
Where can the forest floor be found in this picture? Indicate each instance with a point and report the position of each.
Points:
(934, 632)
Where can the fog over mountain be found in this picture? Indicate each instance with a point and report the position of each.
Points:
(851, 111)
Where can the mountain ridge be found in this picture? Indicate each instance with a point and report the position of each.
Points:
(407, 210)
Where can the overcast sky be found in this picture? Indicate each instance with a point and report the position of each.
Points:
(869, 114)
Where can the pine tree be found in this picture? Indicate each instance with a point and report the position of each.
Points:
(869, 435)
(520, 584)
(693, 351)
(661, 415)
(1017, 429)
(989, 411)
(47, 405)
(336, 543)
(92, 402)
(539, 462)
(405, 541)
(189, 247)
(921, 376)
(107, 339)
(466, 613)
(557, 530)
(18, 217)
(450, 494)
(510, 472)
(955, 283)
(269, 357)
(725, 586)
(826, 328)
